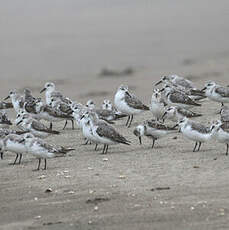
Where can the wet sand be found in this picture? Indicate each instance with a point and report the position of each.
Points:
(117, 190)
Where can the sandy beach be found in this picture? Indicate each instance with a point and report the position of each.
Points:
(70, 43)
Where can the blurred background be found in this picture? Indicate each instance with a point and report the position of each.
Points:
(73, 41)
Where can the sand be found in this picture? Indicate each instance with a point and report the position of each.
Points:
(117, 190)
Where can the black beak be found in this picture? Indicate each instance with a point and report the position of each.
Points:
(82, 117)
(202, 90)
(128, 93)
(7, 97)
(212, 127)
(19, 122)
(161, 90)
(175, 126)
(158, 83)
(22, 140)
(43, 90)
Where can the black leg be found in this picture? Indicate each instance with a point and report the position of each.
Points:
(127, 120)
(50, 126)
(96, 145)
(15, 159)
(45, 167)
(39, 162)
(72, 124)
(1, 155)
(86, 142)
(66, 122)
(194, 147)
(199, 146)
(19, 162)
(131, 119)
(153, 143)
(227, 149)
(104, 149)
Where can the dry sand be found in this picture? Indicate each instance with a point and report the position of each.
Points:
(113, 191)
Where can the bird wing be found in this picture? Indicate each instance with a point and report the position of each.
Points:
(224, 92)
(134, 102)
(177, 97)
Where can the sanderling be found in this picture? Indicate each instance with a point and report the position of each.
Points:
(195, 131)
(4, 120)
(43, 150)
(105, 133)
(175, 113)
(90, 104)
(176, 80)
(224, 113)
(216, 92)
(157, 106)
(221, 133)
(50, 93)
(177, 98)
(17, 100)
(153, 130)
(28, 97)
(128, 103)
(107, 105)
(35, 127)
(64, 109)
(51, 114)
(5, 105)
(5, 132)
(13, 143)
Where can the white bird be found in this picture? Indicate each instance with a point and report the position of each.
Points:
(50, 92)
(153, 130)
(105, 133)
(13, 143)
(177, 98)
(128, 103)
(175, 113)
(16, 99)
(157, 106)
(43, 150)
(90, 104)
(4, 120)
(216, 92)
(221, 133)
(35, 127)
(107, 105)
(195, 131)
(177, 80)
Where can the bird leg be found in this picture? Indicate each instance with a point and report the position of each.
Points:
(199, 146)
(131, 119)
(66, 122)
(45, 167)
(106, 149)
(195, 147)
(72, 124)
(153, 143)
(1, 154)
(39, 162)
(96, 145)
(227, 149)
(19, 162)
(50, 126)
(15, 159)
(127, 120)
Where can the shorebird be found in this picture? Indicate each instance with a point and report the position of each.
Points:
(175, 113)
(50, 93)
(153, 130)
(43, 150)
(4, 120)
(51, 114)
(13, 143)
(5, 132)
(221, 133)
(128, 103)
(195, 131)
(5, 105)
(157, 106)
(107, 105)
(17, 100)
(90, 104)
(216, 92)
(177, 98)
(224, 113)
(64, 109)
(28, 97)
(177, 80)
(35, 127)
(105, 133)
